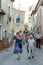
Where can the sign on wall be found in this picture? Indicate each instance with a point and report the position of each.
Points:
(18, 22)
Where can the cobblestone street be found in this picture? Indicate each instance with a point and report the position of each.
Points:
(7, 57)
(21, 22)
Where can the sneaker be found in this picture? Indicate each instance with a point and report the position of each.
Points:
(32, 56)
(29, 57)
(18, 58)
(39, 47)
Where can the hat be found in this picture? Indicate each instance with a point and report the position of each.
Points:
(31, 36)
(17, 33)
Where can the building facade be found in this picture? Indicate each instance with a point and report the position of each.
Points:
(18, 20)
(38, 17)
(5, 20)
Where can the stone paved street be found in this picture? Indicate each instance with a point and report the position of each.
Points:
(21, 20)
(8, 58)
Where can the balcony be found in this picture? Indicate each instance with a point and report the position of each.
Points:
(2, 12)
(9, 18)
(12, 0)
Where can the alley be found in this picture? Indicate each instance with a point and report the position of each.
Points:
(19, 19)
(7, 57)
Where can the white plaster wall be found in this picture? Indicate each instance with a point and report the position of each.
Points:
(39, 18)
(4, 18)
(42, 19)
(3, 4)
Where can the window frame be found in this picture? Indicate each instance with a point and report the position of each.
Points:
(1, 31)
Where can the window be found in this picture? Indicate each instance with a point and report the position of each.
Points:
(0, 32)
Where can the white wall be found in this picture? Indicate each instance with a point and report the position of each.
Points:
(42, 20)
(39, 19)
(4, 18)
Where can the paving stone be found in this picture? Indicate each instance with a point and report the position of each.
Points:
(7, 57)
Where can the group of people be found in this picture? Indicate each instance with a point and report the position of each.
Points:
(30, 40)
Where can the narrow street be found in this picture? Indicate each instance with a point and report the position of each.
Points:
(7, 57)
(21, 20)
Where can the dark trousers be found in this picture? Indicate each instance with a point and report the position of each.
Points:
(38, 43)
(27, 49)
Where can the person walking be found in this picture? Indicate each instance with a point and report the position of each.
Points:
(18, 46)
(31, 43)
(38, 39)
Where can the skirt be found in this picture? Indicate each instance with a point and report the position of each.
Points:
(18, 49)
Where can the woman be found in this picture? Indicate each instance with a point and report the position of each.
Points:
(18, 45)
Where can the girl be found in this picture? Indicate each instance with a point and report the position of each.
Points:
(31, 43)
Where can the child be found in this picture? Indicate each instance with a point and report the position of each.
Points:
(18, 45)
(31, 43)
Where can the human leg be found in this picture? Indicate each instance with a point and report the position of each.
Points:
(29, 54)
(18, 56)
(32, 53)
(37, 43)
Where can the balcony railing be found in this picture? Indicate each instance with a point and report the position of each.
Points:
(12, 0)
(2, 12)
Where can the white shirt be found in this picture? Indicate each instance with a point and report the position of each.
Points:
(38, 36)
(14, 33)
(20, 34)
(31, 42)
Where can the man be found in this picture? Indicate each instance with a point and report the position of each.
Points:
(38, 38)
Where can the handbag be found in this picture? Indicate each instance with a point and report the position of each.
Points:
(20, 45)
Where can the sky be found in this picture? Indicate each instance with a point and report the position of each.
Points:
(25, 5)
